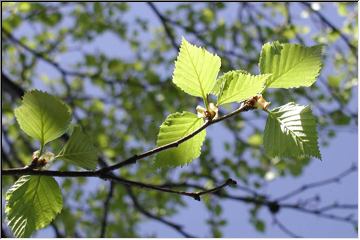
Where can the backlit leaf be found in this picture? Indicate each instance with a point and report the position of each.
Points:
(290, 131)
(236, 86)
(195, 70)
(291, 65)
(175, 127)
(79, 150)
(42, 116)
(32, 203)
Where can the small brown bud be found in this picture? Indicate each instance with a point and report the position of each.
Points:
(41, 163)
(261, 103)
(209, 114)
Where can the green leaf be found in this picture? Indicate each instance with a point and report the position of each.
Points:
(176, 126)
(236, 86)
(32, 203)
(79, 150)
(291, 65)
(290, 131)
(195, 70)
(42, 116)
(260, 225)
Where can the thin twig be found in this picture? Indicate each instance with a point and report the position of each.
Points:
(106, 210)
(42, 57)
(333, 28)
(317, 212)
(57, 232)
(196, 186)
(166, 21)
(112, 177)
(165, 25)
(142, 210)
(317, 184)
(337, 206)
(9, 86)
(244, 107)
(284, 228)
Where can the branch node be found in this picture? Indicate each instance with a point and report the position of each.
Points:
(231, 182)
(196, 197)
(103, 175)
(274, 207)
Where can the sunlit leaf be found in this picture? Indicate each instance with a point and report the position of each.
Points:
(291, 65)
(176, 126)
(32, 203)
(236, 86)
(42, 116)
(79, 150)
(290, 131)
(195, 70)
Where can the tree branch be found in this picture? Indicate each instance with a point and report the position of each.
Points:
(112, 177)
(142, 210)
(165, 21)
(322, 214)
(165, 25)
(44, 58)
(284, 228)
(305, 187)
(245, 106)
(10, 87)
(106, 210)
(333, 28)
(57, 232)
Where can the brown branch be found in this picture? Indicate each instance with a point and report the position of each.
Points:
(274, 207)
(43, 57)
(305, 187)
(112, 177)
(284, 228)
(194, 195)
(142, 210)
(245, 106)
(167, 21)
(106, 210)
(196, 186)
(165, 25)
(216, 189)
(57, 232)
(320, 213)
(9, 86)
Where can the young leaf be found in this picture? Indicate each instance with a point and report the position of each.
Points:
(176, 126)
(79, 150)
(236, 86)
(291, 65)
(32, 203)
(42, 116)
(195, 70)
(290, 131)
